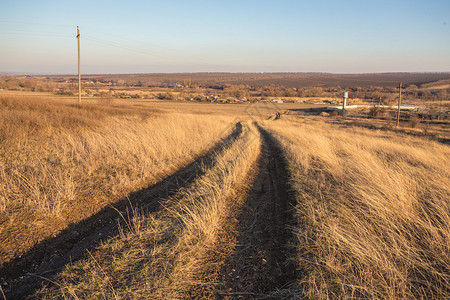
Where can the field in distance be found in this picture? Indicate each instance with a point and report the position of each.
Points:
(424, 88)
(289, 80)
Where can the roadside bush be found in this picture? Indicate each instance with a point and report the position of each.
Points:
(166, 96)
(414, 121)
(377, 111)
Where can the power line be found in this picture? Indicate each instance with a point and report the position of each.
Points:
(26, 33)
(34, 23)
(141, 51)
(98, 40)
(129, 39)
(95, 39)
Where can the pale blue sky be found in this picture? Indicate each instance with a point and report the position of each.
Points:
(238, 36)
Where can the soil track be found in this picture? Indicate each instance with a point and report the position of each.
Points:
(20, 277)
(259, 266)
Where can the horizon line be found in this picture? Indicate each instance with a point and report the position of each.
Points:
(2, 73)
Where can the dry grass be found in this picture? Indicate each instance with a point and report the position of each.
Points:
(166, 255)
(373, 211)
(373, 206)
(61, 163)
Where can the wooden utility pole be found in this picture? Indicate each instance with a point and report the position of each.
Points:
(79, 73)
(399, 103)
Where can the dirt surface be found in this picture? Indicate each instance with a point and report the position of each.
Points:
(20, 277)
(258, 266)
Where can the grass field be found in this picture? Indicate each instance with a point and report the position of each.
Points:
(63, 163)
(168, 255)
(217, 201)
(373, 211)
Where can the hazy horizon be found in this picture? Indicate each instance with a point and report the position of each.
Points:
(345, 37)
(212, 72)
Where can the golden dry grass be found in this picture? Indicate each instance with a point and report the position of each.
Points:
(61, 163)
(373, 206)
(373, 211)
(165, 255)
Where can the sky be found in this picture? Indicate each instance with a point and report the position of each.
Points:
(347, 36)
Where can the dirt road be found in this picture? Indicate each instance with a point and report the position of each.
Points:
(251, 257)
(258, 267)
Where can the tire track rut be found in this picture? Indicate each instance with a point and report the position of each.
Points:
(21, 276)
(260, 267)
